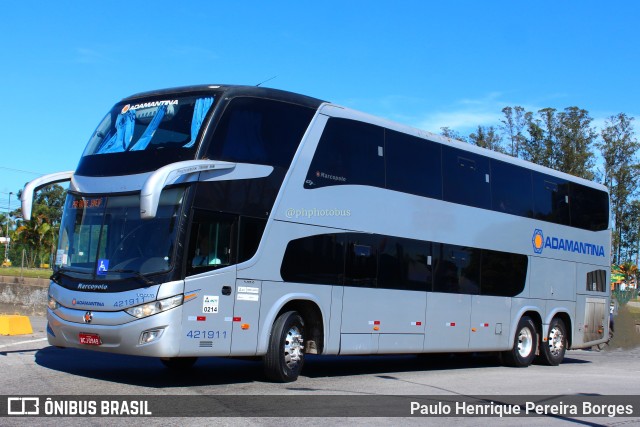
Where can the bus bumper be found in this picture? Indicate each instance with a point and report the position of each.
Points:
(156, 336)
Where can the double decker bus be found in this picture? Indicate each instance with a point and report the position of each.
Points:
(246, 221)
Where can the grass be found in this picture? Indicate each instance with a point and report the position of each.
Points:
(35, 273)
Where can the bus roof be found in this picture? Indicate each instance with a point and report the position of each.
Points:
(340, 111)
(236, 90)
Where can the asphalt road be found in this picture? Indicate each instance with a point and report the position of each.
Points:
(29, 366)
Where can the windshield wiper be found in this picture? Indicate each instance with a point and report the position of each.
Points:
(55, 277)
(144, 279)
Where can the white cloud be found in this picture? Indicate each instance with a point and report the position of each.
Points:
(466, 115)
(464, 120)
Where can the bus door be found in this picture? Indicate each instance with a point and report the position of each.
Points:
(210, 286)
(593, 313)
(207, 321)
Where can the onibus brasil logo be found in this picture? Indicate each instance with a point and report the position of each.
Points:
(540, 243)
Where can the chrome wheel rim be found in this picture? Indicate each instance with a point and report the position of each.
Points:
(293, 348)
(525, 342)
(556, 341)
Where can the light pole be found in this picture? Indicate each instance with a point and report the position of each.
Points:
(6, 247)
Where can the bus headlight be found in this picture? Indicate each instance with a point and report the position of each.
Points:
(155, 307)
(53, 304)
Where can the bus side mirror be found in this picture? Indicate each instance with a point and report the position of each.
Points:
(169, 174)
(35, 185)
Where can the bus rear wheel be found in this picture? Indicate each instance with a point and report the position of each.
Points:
(285, 355)
(552, 351)
(524, 345)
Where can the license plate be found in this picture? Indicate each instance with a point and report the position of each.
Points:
(90, 339)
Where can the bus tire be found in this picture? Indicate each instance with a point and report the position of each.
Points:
(524, 345)
(285, 354)
(179, 363)
(552, 351)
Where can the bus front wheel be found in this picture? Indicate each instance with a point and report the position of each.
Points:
(524, 345)
(285, 355)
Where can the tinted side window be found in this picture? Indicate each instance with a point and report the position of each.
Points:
(316, 259)
(212, 242)
(503, 274)
(249, 235)
(511, 190)
(414, 165)
(466, 178)
(589, 208)
(550, 198)
(260, 131)
(404, 264)
(458, 269)
(597, 280)
(349, 152)
(361, 268)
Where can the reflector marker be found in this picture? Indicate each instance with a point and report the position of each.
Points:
(374, 322)
(484, 325)
(416, 323)
(450, 324)
(237, 319)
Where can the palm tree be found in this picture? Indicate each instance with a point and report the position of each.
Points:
(38, 234)
(630, 271)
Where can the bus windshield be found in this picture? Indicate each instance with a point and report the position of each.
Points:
(150, 124)
(142, 135)
(105, 236)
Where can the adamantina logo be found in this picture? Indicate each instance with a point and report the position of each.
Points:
(540, 243)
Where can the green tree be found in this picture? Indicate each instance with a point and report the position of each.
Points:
(541, 145)
(533, 148)
(575, 139)
(39, 235)
(514, 124)
(487, 137)
(621, 174)
(558, 140)
(550, 145)
(450, 133)
(631, 233)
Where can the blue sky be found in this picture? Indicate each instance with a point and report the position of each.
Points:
(423, 63)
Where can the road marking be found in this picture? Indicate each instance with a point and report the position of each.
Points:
(22, 342)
